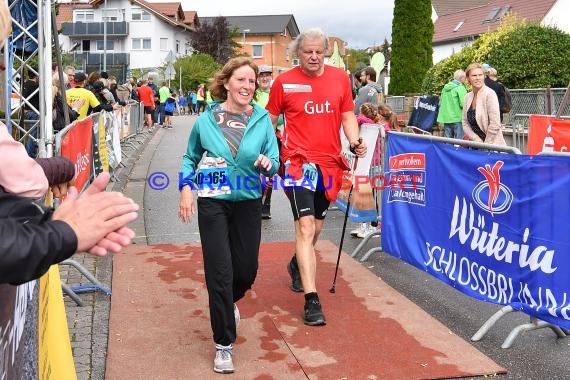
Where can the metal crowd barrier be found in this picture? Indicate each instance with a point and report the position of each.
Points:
(129, 119)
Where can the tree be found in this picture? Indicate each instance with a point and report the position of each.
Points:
(196, 69)
(215, 39)
(357, 59)
(412, 52)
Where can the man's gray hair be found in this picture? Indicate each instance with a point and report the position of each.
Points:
(309, 34)
(459, 74)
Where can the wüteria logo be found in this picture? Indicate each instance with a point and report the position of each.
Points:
(491, 195)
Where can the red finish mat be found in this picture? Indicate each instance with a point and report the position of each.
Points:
(160, 329)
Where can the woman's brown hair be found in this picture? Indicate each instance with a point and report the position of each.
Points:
(386, 112)
(217, 88)
(370, 111)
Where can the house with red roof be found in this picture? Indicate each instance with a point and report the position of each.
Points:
(460, 22)
(136, 35)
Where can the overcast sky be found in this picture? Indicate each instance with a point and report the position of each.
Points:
(361, 23)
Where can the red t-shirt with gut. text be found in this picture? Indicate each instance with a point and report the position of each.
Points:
(312, 107)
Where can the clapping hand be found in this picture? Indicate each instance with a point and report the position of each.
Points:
(98, 218)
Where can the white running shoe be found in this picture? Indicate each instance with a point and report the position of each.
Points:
(368, 229)
(361, 228)
(223, 362)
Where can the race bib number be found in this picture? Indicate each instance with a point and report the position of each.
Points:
(309, 179)
(213, 177)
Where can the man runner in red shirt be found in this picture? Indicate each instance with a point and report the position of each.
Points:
(316, 101)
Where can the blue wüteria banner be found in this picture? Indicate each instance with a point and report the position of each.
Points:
(492, 225)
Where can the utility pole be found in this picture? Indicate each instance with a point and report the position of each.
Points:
(105, 36)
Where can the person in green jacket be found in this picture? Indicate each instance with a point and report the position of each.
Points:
(163, 94)
(451, 106)
(230, 146)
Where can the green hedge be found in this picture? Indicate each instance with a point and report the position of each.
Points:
(525, 56)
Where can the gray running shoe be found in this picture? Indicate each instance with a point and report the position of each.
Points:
(223, 362)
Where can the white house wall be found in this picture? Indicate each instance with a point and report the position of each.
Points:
(555, 16)
(155, 29)
(441, 52)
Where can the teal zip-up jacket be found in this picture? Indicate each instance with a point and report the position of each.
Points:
(244, 179)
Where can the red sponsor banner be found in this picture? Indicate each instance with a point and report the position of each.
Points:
(408, 161)
(76, 145)
(548, 134)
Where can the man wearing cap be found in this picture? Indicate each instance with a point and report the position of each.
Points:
(80, 93)
(262, 97)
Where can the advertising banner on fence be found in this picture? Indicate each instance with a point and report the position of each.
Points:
(112, 130)
(55, 357)
(548, 134)
(127, 125)
(100, 155)
(18, 331)
(76, 145)
(492, 225)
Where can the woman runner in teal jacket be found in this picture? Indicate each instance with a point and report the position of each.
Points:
(239, 143)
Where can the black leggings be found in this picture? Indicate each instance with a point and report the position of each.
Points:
(230, 233)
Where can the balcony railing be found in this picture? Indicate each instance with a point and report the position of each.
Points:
(97, 58)
(83, 29)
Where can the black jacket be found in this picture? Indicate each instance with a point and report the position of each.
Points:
(29, 241)
(498, 88)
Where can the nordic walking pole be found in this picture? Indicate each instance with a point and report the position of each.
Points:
(333, 287)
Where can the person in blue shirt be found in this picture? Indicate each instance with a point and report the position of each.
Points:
(182, 104)
(192, 102)
(237, 138)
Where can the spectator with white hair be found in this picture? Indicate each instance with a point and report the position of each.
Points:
(451, 106)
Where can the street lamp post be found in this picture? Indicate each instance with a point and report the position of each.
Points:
(105, 36)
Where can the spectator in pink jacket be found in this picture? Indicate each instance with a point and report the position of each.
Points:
(481, 114)
(19, 173)
(24, 176)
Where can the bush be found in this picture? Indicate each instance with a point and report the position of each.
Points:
(533, 57)
(525, 56)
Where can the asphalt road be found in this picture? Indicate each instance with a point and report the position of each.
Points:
(535, 354)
